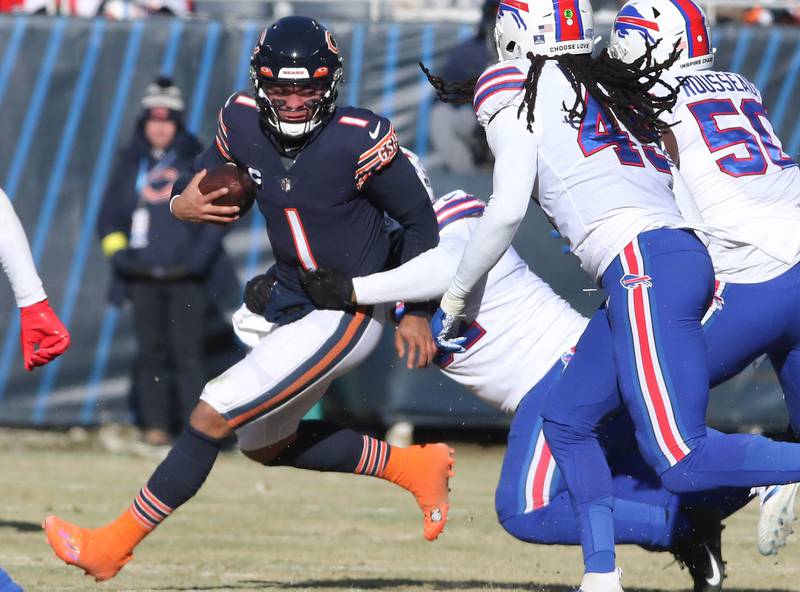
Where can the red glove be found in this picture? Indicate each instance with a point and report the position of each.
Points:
(41, 327)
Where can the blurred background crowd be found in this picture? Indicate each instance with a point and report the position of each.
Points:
(763, 13)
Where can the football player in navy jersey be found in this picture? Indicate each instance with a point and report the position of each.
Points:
(326, 177)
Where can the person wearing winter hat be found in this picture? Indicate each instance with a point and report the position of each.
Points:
(167, 268)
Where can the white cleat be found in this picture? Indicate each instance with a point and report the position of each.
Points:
(602, 582)
(777, 515)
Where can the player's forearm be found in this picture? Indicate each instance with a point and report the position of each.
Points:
(514, 175)
(490, 239)
(16, 259)
(423, 278)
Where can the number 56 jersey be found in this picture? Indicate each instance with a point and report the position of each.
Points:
(745, 186)
(598, 185)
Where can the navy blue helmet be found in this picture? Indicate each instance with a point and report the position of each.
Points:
(295, 70)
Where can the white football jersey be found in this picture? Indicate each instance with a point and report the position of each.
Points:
(746, 188)
(599, 186)
(520, 327)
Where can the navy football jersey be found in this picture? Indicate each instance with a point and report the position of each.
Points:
(326, 208)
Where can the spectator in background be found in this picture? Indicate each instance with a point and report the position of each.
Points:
(767, 17)
(164, 266)
(130, 9)
(456, 138)
(117, 9)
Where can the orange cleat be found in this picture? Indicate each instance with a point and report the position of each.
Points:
(98, 551)
(425, 471)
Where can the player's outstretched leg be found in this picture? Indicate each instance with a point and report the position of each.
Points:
(423, 470)
(533, 504)
(102, 552)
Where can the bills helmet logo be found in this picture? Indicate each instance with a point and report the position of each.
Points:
(513, 7)
(629, 19)
(631, 281)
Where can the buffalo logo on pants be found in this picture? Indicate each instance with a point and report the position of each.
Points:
(632, 281)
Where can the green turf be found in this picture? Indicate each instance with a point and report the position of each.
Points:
(253, 528)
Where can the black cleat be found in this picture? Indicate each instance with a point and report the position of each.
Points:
(701, 554)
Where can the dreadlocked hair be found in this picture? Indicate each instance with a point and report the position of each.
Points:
(458, 92)
(623, 90)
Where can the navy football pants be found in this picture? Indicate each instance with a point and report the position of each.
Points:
(659, 289)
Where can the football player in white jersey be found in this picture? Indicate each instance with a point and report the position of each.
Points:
(577, 132)
(747, 190)
(515, 306)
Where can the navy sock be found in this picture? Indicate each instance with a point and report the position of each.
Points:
(325, 446)
(178, 478)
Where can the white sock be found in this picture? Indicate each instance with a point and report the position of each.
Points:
(602, 582)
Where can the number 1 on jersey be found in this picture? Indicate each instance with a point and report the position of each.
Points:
(304, 254)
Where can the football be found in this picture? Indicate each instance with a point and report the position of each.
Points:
(241, 187)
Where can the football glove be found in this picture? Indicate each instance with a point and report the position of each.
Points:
(328, 288)
(444, 328)
(41, 327)
(257, 292)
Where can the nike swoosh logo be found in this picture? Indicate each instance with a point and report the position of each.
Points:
(374, 133)
(716, 576)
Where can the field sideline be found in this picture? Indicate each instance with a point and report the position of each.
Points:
(253, 528)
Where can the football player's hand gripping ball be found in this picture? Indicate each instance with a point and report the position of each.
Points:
(194, 206)
(444, 327)
(328, 288)
(44, 337)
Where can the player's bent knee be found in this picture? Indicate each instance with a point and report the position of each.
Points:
(682, 477)
(207, 420)
(529, 527)
(267, 454)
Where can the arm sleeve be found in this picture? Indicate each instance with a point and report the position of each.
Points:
(16, 258)
(515, 150)
(398, 191)
(437, 266)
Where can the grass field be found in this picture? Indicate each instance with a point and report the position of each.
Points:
(253, 528)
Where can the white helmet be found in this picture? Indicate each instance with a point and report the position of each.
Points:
(416, 162)
(640, 23)
(543, 27)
